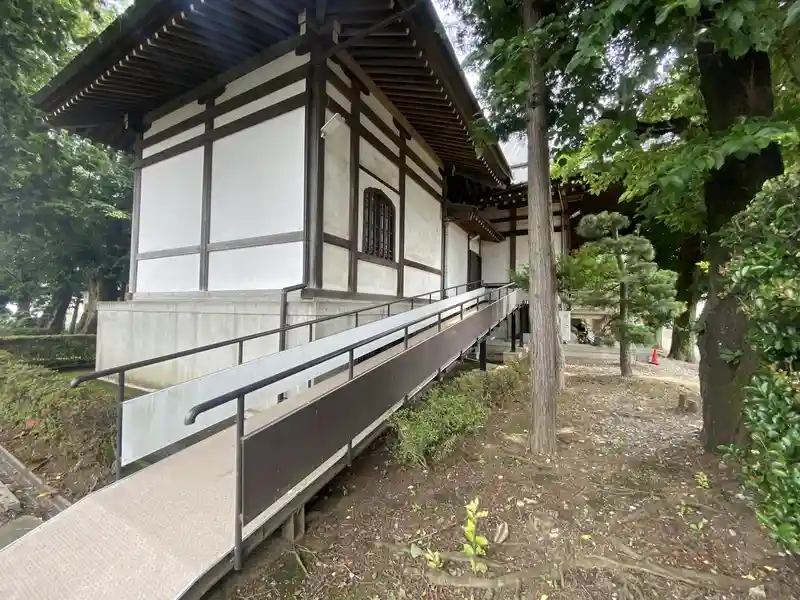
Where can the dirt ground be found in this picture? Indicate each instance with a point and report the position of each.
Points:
(630, 508)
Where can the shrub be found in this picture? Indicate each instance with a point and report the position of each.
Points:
(432, 428)
(764, 271)
(52, 351)
(74, 422)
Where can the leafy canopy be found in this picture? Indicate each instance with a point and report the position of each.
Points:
(592, 277)
(763, 274)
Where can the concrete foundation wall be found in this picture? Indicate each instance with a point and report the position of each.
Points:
(142, 329)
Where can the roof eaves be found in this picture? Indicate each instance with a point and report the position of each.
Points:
(101, 53)
(463, 98)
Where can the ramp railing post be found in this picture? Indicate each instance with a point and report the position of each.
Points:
(120, 400)
(238, 557)
(351, 365)
(405, 339)
(513, 331)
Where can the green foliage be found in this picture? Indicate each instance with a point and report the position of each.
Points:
(432, 428)
(52, 351)
(64, 201)
(78, 422)
(763, 273)
(475, 544)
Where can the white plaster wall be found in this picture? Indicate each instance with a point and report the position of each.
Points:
(365, 180)
(170, 274)
(522, 252)
(285, 63)
(339, 71)
(380, 110)
(334, 93)
(475, 245)
(376, 162)
(169, 213)
(557, 239)
(376, 279)
(378, 133)
(258, 180)
(426, 158)
(335, 267)
(412, 164)
(417, 282)
(494, 262)
(176, 116)
(259, 268)
(456, 271)
(336, 209)
(423, 226)
(184, 136)
(298, 87)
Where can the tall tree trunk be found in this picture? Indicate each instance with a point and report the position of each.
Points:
(731, 88)
(75, 306)
(542, 286)
(688, 291)
(60, 304)
(625, 367)
(100, 290)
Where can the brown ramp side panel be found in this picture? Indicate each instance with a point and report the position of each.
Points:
(279, 456)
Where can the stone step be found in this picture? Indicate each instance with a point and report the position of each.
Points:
(13, 530)
(8, 501)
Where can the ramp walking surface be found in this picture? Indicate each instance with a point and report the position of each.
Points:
(153, 534)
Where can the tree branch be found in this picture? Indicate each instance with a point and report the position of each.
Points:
(676, 125)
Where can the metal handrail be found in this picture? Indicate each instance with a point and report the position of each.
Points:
(240, 393)
(121, 369)
(202, 407)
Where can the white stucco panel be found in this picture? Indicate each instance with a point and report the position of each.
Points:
(173, 118)
(423, 226)
(336, 209)
(418, 282)
(335, 267)
(365, 180)
(171, 274)
(169, 213)
(183, 136)
(380, 110)
(378, 133)
(411, 164)
(376, 162)
(338, 71)
(494, 262)
(557, 239)
(427, 158)
(456, 258)
(343, 101)
(475, 245)
(376, 279)
(258, 179)
(298, 87)
(522, 251)
(285, 63)
(260, 268)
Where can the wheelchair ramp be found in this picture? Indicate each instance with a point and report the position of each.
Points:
(167, 532)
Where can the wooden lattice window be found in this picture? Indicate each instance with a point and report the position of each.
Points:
(378, 224)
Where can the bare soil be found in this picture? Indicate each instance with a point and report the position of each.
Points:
(630, 508)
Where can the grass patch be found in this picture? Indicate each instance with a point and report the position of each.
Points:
(76, 424)
(432, 428)
(52, 351)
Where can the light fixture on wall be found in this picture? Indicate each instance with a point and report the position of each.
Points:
(331, 125)
(575, 214)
